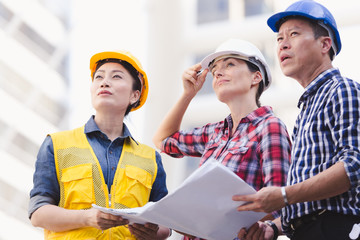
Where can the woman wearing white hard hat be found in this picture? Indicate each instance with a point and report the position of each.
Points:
(251, 141)
(99, 163)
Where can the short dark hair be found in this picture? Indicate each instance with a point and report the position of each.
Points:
(132, 71)
(318, 30)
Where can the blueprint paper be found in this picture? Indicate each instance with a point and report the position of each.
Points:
(201, 206)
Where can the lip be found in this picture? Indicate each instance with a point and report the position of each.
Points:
(221, 81)
(284, 57)
(104, 92)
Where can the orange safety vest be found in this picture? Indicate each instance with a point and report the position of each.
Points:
(82, 182)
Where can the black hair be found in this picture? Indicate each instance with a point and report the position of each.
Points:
(132, 71)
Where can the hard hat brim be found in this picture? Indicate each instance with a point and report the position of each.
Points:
(209, 58)
(273, 23)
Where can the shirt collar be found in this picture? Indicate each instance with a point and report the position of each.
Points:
(91, 127)
(254, 117)
(312, 88)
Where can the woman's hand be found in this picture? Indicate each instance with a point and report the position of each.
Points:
(193, 82)
(100, 220)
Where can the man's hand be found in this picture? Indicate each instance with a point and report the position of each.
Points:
(267, 200)
(148, 231)
(258, 231)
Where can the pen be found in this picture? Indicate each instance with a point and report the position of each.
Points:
(198, 73)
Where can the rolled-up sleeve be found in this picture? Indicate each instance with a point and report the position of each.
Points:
(345, 125)
(46, 187)
(159, 189)
(188, 143)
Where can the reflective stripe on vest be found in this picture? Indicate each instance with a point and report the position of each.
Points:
(82, 182)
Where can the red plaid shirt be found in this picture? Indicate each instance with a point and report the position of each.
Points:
(258, 152)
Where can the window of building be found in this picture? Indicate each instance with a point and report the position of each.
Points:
(20, 89)
(5, 15)
(256, 7)
(212, 11)
(27, 36)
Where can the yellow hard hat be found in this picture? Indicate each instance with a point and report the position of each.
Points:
(128, 57)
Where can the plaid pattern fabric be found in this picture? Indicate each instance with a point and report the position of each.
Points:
(258, 152)
(327, 131)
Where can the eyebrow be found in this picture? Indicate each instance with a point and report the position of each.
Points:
(224, 59)
(113, 71)
(290, 29)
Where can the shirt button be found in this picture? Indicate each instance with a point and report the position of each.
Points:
(110, 152)
(113, 168)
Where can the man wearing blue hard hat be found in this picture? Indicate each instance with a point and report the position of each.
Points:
(322, 196)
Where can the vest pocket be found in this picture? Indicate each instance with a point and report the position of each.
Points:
(135, 187)
(78, 186)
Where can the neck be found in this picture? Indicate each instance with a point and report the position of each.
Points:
(110, 124)
(239, 110)
(306, 77)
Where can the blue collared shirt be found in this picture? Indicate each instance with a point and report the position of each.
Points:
(326, 131)
(46, 187)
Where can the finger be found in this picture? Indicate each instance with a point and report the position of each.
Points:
(259, 234)
(203, 74)
(242, 233)
(190, 77)
(135, 230)
(252, 230)
(196, 67)
(244, 198)
(152, 226)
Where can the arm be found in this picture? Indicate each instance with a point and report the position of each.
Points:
(58, 219)
(343, 118)
(43, 209)
(159, 189)
(327, 184)
(172, 121)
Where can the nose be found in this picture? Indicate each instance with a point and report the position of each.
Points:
(284, 44)
(218, 73)
(104, 83)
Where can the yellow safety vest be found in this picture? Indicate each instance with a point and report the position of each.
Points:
(82, 182)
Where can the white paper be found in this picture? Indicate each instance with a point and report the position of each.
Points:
(202, 206)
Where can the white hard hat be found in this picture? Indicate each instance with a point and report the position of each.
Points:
(245, 51)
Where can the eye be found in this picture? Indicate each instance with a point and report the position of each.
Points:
(98, 77)
(294, 34)
(230, 64)
(117, 76)
(279, 39)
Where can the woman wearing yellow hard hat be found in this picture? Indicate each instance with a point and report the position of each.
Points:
(99, 163)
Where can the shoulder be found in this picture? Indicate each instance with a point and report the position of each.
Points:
(339, 83)
(68, 132)
(273, 124)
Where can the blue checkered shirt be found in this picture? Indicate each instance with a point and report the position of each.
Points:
(326, 131)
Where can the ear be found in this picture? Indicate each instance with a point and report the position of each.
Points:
(326, 44)
(257, 77)
(135, 96)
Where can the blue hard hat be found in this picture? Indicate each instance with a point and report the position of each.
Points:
(311, 10)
